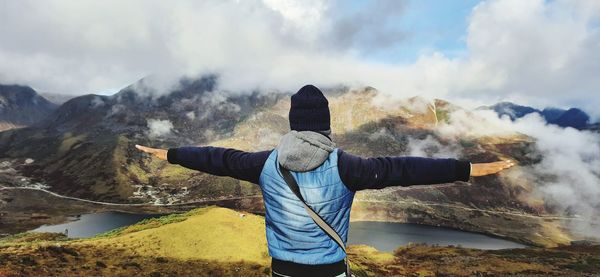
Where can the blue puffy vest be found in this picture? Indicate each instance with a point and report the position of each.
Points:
(292, 235)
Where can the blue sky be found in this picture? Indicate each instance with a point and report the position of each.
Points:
(429, 25)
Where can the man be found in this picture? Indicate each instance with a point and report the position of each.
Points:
(327, 178)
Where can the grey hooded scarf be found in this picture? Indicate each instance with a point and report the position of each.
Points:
(303, 151)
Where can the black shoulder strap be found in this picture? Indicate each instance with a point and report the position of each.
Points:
(291, 182)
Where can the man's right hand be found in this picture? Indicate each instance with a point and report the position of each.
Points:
(159, 153)
(482, 169)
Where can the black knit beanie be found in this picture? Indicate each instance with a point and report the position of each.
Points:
(309, 110)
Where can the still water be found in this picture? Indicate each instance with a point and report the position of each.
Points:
(89, 225)
(385, 236)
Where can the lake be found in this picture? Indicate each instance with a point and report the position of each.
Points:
(385, 236)
(89, 225)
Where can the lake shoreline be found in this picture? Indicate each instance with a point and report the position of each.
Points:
(399, 234)
(515, 240)
(19, 215)
(361, 232)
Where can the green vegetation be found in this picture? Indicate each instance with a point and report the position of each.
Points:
(467, 143)
(443, 116)
(147, 223)
(32, 237)
(175, 173)
(216, 241)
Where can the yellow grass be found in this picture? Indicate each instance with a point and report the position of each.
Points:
(373, 254)
(211, 233)
(172, 172)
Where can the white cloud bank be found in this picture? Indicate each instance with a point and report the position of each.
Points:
(534, 52)
(568, 175)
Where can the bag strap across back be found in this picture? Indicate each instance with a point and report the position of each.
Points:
(291, 182)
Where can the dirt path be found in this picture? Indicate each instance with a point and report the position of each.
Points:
(473, 209)
(126, 204)
(553, 217)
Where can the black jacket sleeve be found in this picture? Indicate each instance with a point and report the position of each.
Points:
(220, 161)
(375, 173)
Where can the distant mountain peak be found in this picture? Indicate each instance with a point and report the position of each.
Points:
(513, 110)
(22, 106)
(573, 117)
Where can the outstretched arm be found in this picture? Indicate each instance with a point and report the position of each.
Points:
(215, 160)
(375, 173)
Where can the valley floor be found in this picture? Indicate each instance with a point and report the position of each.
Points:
(222, 242)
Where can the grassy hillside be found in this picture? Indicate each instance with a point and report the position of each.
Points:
(210, 233)
(204, 242)
(222, 242)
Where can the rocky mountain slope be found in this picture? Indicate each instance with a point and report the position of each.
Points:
(222, 242)
(85, 149)
(22, 106)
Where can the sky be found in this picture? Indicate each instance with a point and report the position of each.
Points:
(535, 52)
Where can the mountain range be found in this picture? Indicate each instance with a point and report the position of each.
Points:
(85, 148)
(572, 117)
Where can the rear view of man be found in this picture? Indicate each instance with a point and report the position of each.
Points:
(308, 184)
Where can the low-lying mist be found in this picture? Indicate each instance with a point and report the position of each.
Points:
(567, 177)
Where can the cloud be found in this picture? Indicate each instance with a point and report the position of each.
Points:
(97, 102)
(537, 51)
(571, 159)
(432, 148)
(382, 133)
(534, 52)
(478, 123)
(371, 27)
(214, 104)
(568, 175)
(159, 128)
(190, 115)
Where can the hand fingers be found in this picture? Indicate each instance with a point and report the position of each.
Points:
(491, 168)
(504, 164)
(509, 163)
(501, 165)
(145, 149)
